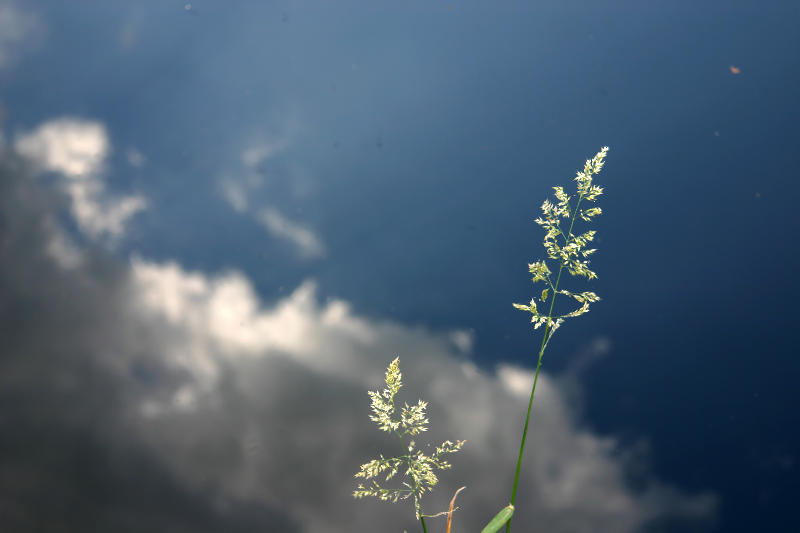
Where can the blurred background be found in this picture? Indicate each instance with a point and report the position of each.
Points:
(220, 221)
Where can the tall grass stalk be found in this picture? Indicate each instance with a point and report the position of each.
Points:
(570, 255)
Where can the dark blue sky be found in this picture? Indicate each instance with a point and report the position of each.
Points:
(411, 146)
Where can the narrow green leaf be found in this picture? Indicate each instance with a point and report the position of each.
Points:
(499, 520)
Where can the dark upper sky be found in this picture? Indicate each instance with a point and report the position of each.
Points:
(221, 220)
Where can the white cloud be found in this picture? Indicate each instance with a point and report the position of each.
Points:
(277, 394)
(75, 148)
(305, 240)
(78, 150)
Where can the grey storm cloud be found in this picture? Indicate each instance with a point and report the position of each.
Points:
(141, 396)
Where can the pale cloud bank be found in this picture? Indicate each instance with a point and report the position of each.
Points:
(78, 150)
(254, 414)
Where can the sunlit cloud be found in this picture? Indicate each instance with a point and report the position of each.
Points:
(73, 147)
(78, 150)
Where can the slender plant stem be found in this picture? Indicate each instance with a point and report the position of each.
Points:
(414, 490)
(545, 338)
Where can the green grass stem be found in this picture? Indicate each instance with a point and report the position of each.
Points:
(536, 376)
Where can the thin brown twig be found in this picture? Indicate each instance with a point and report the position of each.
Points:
(450, 511)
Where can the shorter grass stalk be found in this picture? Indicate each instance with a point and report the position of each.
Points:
(419, 468)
